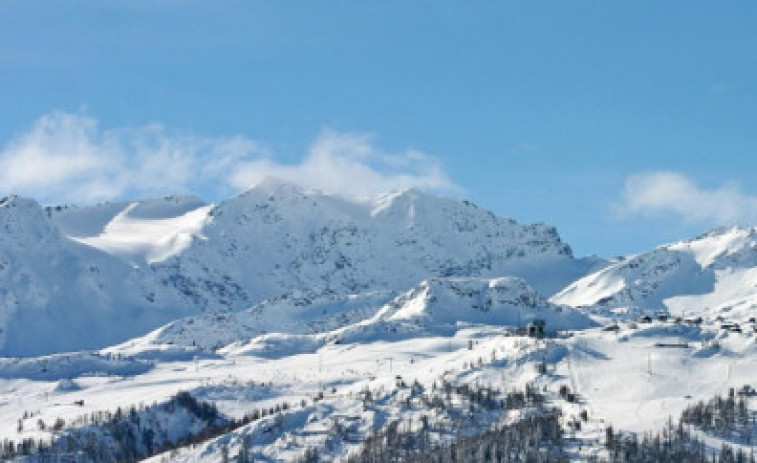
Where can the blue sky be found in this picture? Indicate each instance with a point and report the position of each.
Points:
(625, 124)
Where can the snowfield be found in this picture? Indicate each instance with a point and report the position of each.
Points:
(142, 241)
(284, 322)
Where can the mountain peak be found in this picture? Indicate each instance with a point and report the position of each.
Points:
(24, 216)
(407, 192)
(19, 201)
(276, 187)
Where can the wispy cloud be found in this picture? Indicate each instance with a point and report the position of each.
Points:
(656, 193)
(349, 164)
(68, 157)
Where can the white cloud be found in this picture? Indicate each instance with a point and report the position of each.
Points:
(348, 164)
(67, 157)
(656, 193)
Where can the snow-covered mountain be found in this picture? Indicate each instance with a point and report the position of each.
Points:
(712, 275)
(278, 238)
(433, 307)
(84, 277)
(309, 323)
(441, 306)
(57, 294)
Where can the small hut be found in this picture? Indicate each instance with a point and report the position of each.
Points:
(537, 328)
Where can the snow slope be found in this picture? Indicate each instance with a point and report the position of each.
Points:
(141, 232)
(441, 306)
(301, 312)
(625, 378)
(84, 277)
(57, 294)
(277, 238)
(91, 221)
(334, 323)
(711, 275)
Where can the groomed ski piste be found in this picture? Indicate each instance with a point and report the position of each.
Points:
(628, 344)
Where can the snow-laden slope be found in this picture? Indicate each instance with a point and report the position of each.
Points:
(57, 294)
(89, 221)
(711, 275)
(139, 232)
(301, 312)
(344, 364)
(443, 335)
(438, 306)
(441, 306)
(85, 277)
(632, 379)
(277, 238)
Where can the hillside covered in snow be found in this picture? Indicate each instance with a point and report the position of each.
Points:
(713, 275)
(439, 306)
(58, 294)
(289, 325)
(83, 277)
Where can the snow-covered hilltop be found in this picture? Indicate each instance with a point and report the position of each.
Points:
(712, 275)
(300, 312)
(438, 306)
(441, 306)
(84, 277)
